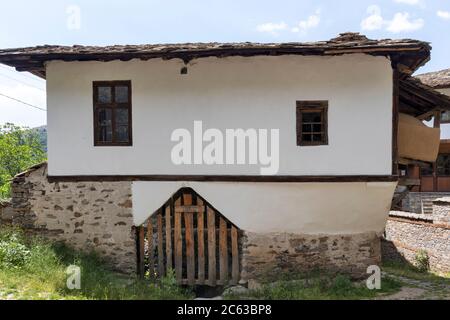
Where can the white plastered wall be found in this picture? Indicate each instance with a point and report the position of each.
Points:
(301, 208)
(235, 92)
(445, 127)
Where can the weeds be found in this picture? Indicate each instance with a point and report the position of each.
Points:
(318, 287)
(36, 269)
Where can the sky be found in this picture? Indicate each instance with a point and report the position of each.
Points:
(28, 23)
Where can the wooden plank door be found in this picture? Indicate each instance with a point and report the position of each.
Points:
(190, 237)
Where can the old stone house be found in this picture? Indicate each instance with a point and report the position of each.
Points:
(330, 110)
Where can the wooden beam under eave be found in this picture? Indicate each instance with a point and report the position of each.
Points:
(405, 70)
(437, 119)
(420, 164)
(40, 74)
(426, 116)
(428, 96)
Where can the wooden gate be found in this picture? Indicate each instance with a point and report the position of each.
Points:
(189, 236)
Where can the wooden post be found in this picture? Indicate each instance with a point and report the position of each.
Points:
(141, 243)
(234, 255)
(413, 171)
(178, 243)
(201, 242)
(211, 247)
(151, 257)
(223, 249)
(190, 254)
(169, 264)
(436, 124)
(160, 246)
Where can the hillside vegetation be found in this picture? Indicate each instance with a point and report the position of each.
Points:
(20, 148)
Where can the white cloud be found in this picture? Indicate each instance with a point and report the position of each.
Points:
(374, 21)
(302, 26)
(311, 22)
(401, 22)
(443, 14)
(410, 2)
(272, 27)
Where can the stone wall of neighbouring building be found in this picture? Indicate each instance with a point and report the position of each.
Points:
(6, 212)
(421, 202)
(85, 215)
(407, 234)
(274, 253)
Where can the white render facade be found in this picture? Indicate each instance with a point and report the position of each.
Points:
(225, 93)
(239, 92)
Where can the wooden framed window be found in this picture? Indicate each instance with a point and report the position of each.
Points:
(312, 123)
(112, 113)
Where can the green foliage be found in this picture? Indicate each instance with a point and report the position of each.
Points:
(20, 148)
(422, 261)
(13, 254)
(42, 275)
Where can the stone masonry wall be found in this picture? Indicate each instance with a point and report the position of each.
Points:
(85, 215)
(421, 202)
(6, 213)
(271, 254)
(441, 211)
(406, 234)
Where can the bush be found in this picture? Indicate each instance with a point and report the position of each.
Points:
(14, 254)
(37, 269)
(422, 261)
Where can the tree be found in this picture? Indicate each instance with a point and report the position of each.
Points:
(20, 148)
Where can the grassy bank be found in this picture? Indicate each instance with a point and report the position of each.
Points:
(317, 286)
(35, 269)
(411, 272)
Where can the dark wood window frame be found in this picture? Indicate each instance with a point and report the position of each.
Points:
(309, 107)
(113, 105)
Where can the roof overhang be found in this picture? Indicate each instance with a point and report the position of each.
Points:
(408, 55)
(420, 100)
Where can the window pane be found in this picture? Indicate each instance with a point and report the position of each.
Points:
(122, 133)
(307, 137)
(104, 94)
(426, 171)
(307, 128)
(311, 117)
(121, 94)
(317, 127)
(122, 116)
(443, 164)
(104, 125)
(317, 137)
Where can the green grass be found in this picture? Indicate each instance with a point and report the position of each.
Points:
(36, 269)
(411, 272)
(316, 287)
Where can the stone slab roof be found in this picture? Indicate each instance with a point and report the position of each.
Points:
(438, 79)
(409, 53)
